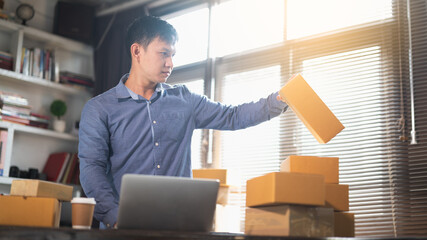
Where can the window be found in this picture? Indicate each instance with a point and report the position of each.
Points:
(253, 151)
(192, 28)
(246, 24)
(308, 17)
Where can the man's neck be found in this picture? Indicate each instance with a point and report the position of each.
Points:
(139, 86)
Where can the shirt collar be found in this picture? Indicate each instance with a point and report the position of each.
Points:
(124, 92)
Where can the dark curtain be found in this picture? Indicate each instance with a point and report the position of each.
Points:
(111, 59)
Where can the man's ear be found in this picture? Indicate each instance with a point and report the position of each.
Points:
(135, 51)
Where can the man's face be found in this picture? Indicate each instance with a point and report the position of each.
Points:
(156, 61)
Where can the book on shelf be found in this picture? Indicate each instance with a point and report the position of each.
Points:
(13, 99)
(55, 166)
(75, 79)
(3, 143)
(6, 61)
(14, 108)
(38, 62)
(69, 170)
(62, 168)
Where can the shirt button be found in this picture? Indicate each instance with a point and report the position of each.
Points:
(158, 166)
(157, 144)
(154, 122)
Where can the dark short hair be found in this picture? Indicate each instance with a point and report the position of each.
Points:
(145, 29)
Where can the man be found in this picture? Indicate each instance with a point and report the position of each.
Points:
(144, 125)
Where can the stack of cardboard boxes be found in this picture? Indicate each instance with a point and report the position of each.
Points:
(305, 198)
(34, 203)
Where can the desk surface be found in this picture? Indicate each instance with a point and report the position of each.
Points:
(27, 233)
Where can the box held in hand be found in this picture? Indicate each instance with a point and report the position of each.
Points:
(310, 109)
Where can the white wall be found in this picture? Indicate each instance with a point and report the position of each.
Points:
(44, 12)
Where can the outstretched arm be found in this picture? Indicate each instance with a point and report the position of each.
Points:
(214, 115)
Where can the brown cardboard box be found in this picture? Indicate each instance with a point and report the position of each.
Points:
(223, 192)
(220, 174)
(290, 220)
(29, 211)
(344, 224)
(326, 166)
(38, 188)
(282, 188)
(310, 109)
(336, 196)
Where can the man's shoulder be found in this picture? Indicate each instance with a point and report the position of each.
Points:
(102, 100)
(105, 96)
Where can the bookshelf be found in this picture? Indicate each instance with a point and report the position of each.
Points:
(27, 146)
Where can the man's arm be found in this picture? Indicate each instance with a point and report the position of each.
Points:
(94, 163)
(214, 115)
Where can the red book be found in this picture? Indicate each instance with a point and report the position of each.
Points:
(55, 166)
(73, 166)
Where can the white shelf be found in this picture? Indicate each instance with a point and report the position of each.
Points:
(37, 131)
(24, 79)
(50, 39)
(7, 180)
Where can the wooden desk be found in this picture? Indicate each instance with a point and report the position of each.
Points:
(27, 233)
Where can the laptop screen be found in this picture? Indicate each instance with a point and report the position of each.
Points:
(167, 203)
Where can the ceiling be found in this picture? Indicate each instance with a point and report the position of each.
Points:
(106, 4)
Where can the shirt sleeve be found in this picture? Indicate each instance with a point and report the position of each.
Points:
(215, 115)
(94, 162)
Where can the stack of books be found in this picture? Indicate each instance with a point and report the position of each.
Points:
(38, 63)
(34, 203)
(75, 80)
(15, 108)
(6, 61)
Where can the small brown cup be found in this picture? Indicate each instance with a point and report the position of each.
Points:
(82, 212)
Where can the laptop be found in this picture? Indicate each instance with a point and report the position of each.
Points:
(167, 203)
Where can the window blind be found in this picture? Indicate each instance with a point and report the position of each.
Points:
(415, 221)
(356, 70)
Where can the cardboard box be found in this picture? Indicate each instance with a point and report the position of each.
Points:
(220, 174)
(38, 188)
(29, 211)
(223, 192)
(283, 188)
(290, 220)
(326, 166)
(310, 109)
(336, 197)
(344, 224)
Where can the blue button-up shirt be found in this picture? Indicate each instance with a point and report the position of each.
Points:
(122, 132)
